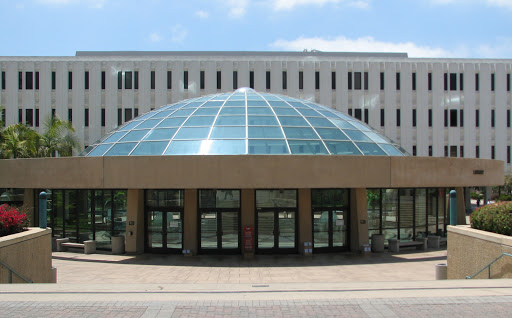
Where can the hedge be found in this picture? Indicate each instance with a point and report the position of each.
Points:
(495, 218)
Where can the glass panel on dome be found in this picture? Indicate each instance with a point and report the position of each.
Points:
(307, 147)
(375, 137)
(357, 135)
(199, 121)
(265, 132)
(150, 123)
(230, 121)
(193, 133)
(135, 135)
(130, 125)
(172, 122)
(206, 111)
(227, 147)
(345, 117)
(99, 150)
(150, 148)
(342, 124)
(193, 104)
(263, 120)
(300, 133)
(232, 111)
(342, 148)
(267, 147)
(260, 111)
(331, 133)
(370, 149)
(309, 112)
(298, 105)
(320, 122)
(227, 132)
(232, 102)
(122, 149)
(286, 111)
(278, 103)
(391, 150)
(146, 116)
(163, 114)
(213, 103)
(115, 137)
(191, 147)
(161, 134)
(293, 121)
(360, 126)
(256, 103)
(315, 106)
(183, 112)
(328, 114)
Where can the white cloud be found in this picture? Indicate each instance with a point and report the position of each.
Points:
(363, 44)
(178, 33)
(501, 49)
(500, 3)
(155, 37)
(95, 4)
(492, 3)
(202, 14)
(290, 4)
(237, 8)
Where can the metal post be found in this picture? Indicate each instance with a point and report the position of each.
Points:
(453, 207)
(42, 210)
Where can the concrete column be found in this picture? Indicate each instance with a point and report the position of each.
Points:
(135, 221)
(305, 219)
(248, 217)
(28, 202)
(461, 206)
(358, 219)
(190, 226)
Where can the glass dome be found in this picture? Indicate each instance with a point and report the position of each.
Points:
(240, 123)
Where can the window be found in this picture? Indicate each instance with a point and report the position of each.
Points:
(127, 114)
(169, 79)
(53, 112)
(86, 80)
(492, 117)
(349, 83)
(453, 118)
(461, 151)
(333, 80)
(398, 117)
(381, 81)
(477, 118)
(358, 114)
(414, 151)
(446, 117)
(397, 81)
(477, 152)
(317, 80)
(37, 80)
(285, 80)
(70, 80)
(365, 81)
(119, 80)
(86, 117)
(251, 79)
(70, 115)
(430, 151)
(477, 82)
(128, 80)
(508, 117)
(445, 81)
(119, 117)
(20, 116)
(461, 118)
(54, 80)
(152, 80)
(357, 80)
(366, 116)
(20, 80)
(201, 80)
(29, 117)
(461, 81)
(219, 80)
(414, 117)
(235, 79)
(350, 111)
(429, 81)
(37, 118)
(508, 82)
(135, 112)
(382, 119)
(453, 81)
(301, 80)
(508, 154)
(453, 151)
(185, 79)
(103, 79)
(413, 81)
(492, 152)
(3, 117)
(430, 117)
(29, 80)
(446, 151)
(492, 82)
(3, 82)
(267, 80)
(136, 80)
(103, 117)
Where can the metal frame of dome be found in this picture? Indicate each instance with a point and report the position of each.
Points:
(240, 123)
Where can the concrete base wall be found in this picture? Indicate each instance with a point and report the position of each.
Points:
(29, 253)
(469, 250)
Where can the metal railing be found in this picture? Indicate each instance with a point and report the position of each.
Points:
(12, 271)
(488, 266)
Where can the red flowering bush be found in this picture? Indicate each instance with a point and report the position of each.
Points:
(12, 220)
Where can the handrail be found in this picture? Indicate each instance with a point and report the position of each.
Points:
(11, 271)
(488, 266)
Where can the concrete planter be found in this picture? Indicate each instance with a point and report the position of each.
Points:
(378, 243)
(469, 250)
(29, 253)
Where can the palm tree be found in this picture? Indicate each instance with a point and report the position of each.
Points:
(58, 138)
(17, 142)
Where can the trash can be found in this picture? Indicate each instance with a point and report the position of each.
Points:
(441, 271)
(377, 243)
(118, 244)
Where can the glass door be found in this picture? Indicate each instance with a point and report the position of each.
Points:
(208, 230)
(164, 231)
(276, 231)
(330, 220)
(266, 230)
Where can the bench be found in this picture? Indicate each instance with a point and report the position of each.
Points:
(63, 244)
(420, 244)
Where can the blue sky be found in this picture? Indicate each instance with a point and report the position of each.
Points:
(422, 28)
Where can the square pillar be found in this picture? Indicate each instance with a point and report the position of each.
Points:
(248, 218)
(305, 219)
(190, 222)
(461, 206)
(135, 221)
(358, 219)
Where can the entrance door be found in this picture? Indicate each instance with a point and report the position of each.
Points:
(276, 231)
(219, 232)
(164, 231)
(330, 229)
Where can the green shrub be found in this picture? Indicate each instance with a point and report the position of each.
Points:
(495, 218)
(505, 197)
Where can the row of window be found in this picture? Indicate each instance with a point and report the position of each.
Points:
(355, 80)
